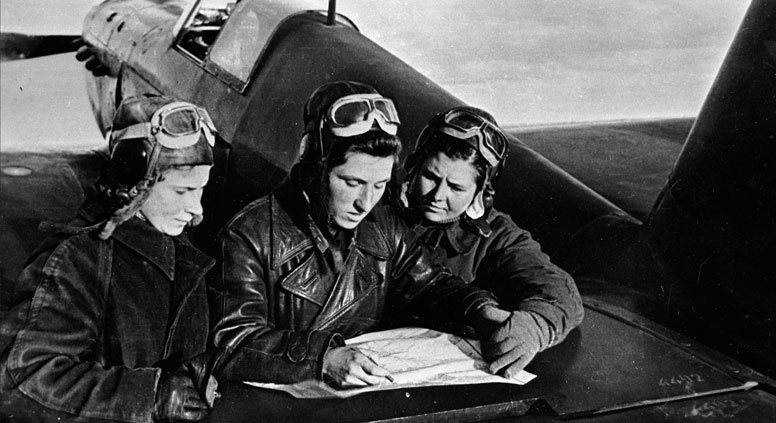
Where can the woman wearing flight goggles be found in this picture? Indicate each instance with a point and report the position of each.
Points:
(110, 317)
(177, 133)
(320, 259)
(451, 173)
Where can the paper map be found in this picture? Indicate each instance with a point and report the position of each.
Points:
(415, 357)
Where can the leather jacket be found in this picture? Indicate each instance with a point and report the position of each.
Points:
(493, 253)
(90, 320)
(273, 312)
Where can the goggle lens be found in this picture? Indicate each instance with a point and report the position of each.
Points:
(179, 125)
(180, 122)
(387, 109)
(350, 113)
(356, 114)
(491, 142)
(175, 125)
(464, 121)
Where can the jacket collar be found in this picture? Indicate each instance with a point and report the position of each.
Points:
(162, 250)
(144, 239)
(136, 234)
(462, 235)
(290, 225)
(371, 237)
(294, 230)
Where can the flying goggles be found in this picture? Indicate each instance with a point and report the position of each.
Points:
(478, 132)
(357, 113)
(175, 125)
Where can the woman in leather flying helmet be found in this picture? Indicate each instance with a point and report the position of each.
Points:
(450, 175)
(320, 260)
(109, 318)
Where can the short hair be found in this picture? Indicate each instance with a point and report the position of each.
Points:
(164, 170)
(374, 143)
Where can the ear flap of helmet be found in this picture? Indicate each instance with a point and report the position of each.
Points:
(310, 147)
(487, 195)
(128, 162)
(122, 197)
(316, 144)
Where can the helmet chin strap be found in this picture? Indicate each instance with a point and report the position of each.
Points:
(477, 207)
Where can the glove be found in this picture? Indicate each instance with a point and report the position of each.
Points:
(511, 345)
(200, 369)
(177, 398)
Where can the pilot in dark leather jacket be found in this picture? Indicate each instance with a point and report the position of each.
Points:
(320, 259)
(268, 295)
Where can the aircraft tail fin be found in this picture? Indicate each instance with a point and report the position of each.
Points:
(721, 196)
(713, 227)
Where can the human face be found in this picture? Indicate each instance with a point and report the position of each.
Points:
(444, 187)
(176, 199)
(356, 186)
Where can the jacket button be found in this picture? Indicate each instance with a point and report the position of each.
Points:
(297, 349)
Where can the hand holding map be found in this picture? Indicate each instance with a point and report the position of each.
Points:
(414, 357)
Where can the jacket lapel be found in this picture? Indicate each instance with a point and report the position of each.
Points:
(364, 270)
(175, 257)
(291, 243)
(155, 247)
(190, 267)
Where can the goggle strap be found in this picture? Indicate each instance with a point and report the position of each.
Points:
(152, 161)
(138, 130)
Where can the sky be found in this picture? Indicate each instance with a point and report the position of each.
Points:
(528, 62)
(536, 62)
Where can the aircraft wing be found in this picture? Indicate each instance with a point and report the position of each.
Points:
(613, 368)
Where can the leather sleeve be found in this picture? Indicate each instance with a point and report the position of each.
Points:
(57, 327)
(239, 292)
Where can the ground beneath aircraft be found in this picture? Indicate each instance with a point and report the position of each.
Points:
(626, 162)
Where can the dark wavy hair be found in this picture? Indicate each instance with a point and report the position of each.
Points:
(374, 143)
